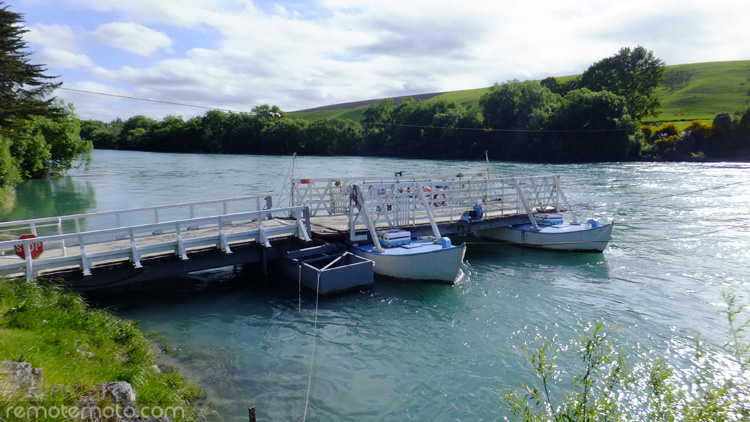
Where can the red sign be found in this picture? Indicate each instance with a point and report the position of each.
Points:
(35, 248)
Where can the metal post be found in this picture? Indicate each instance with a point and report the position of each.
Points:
(525, 203)
(251, 411)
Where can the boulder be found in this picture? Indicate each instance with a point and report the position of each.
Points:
(19, 379)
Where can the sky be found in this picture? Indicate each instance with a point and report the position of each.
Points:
(298, 54)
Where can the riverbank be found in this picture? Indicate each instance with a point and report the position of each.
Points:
(81, 351)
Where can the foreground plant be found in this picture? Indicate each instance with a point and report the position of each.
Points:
(711, 385)
(79, 349)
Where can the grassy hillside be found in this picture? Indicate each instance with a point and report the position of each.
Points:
(703, 90)
(688, 92)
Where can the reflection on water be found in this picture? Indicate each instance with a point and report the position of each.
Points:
(65, 195)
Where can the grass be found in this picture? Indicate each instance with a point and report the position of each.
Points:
(703, 90)
(689, 92)
(79, 347)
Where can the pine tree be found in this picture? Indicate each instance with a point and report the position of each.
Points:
(23, 86)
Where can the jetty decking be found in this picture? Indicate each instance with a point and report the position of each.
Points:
(106, 248)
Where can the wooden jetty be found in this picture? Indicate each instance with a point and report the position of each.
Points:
(108, 248)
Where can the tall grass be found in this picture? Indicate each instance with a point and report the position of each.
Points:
(79, 347)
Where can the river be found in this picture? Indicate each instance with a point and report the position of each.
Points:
(413, 351)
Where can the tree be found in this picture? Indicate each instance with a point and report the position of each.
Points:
(23, 86)
(518, 105)
(590, 126)
(632, 74)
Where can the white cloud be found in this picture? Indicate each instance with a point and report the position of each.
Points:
(57, 58)
(56, 36)
(239, 53)
(132, 37)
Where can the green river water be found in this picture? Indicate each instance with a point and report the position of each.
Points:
(409, 351)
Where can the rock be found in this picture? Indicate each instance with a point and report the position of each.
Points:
(118, 395)
(19, 379)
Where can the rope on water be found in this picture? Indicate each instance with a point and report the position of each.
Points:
(299, 286)
(312, 356)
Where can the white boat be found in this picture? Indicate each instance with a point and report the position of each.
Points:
(416, 259)
(552, 233)
(393, 250)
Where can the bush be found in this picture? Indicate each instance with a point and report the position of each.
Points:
(711, 386)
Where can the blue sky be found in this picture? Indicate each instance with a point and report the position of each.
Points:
(237, 54)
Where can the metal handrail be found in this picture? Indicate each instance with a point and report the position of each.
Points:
(329, 196)
(128, 248)
(34, 224)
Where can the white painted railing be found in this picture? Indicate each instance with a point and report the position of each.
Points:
(329, 196)
(404, 204)
(86, 249)
(76, 223)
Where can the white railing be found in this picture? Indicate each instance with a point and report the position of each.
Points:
(86, 249)
(404, 204)
(77, 223)
(328, 196)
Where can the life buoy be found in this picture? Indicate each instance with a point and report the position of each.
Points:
(436, 203)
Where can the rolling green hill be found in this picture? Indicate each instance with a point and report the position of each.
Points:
(688, 92)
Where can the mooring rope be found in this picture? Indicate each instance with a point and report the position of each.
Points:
(312, 356)
(299, 286)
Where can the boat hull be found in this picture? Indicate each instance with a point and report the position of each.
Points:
(565, 237)
(328, 272)
(426, 261)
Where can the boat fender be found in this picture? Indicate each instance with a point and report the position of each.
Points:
(593, 223)
(445, 242)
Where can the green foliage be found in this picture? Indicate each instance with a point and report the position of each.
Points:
(23, 86)
(591, 126)
(518, 105)
(555, 120)
(607, 386)
(44, 146)
(39, 135)
(632, 74)
(79, 347)
(9, 172)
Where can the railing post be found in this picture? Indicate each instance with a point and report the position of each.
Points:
(60, 232)
(223, 243)
(180, 244)
(29, 265)
(85, 264)
(262, 233)
(136, 257)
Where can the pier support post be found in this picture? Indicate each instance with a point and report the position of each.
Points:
(251, 411)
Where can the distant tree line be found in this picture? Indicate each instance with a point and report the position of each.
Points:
(593, 117)
(39, 136)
